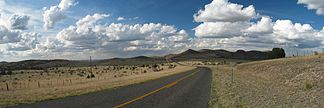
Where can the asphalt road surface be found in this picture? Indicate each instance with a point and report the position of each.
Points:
(185, 90)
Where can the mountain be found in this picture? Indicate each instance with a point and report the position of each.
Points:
(207, 54)
(203, 54)
(139, 60)
(40, 64)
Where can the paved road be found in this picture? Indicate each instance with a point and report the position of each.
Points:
(185, 90)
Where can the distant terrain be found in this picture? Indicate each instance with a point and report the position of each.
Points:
(239, 79)
(207, 54)
(201, 55)
(30, 81)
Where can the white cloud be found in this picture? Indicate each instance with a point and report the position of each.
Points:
(8, 10)
(224, 24)
(56, 13)
(19, 22)
(317, 5)
(89, 35)
(264, 26)
(224, 11)
(120, 18)
(16, 40)
(298, 35)
(28, 41)
(220, 29)
(8, 36)
(66, 4)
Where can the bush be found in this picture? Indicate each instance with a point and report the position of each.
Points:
(92, 76)
(308, 86)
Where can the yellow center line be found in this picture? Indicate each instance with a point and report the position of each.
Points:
(157, 90)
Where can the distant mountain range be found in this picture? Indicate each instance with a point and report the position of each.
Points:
(206, 54)
(203, 54)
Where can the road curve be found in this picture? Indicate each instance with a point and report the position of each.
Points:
(185, 90)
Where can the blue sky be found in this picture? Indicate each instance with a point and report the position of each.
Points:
(285, 9)
(178, 12)
(61, 28)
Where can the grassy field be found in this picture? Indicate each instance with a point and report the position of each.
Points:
(288, 82)
(27, 86)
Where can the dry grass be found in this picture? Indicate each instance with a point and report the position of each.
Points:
(32, 86)
(288, 82)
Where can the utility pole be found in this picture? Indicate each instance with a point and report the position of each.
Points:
(90, 68)
(232, 74)
(90, 61)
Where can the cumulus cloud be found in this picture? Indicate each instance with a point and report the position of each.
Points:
(8, 36)
(56, 13)
(224, 11)
(222, 19)
(220, 29)
(19, 22)
(233, 30)
(87, 34)
(120, 18)
(263, 26)
(16, 40)
(27, 41)
(17, 16)
(317, 5)
(299, 35)
(222, 24)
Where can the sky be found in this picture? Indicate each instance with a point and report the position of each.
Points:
(77, 29)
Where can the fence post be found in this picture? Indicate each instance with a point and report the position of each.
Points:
(232, 74)
(38, 84)
(7, 86)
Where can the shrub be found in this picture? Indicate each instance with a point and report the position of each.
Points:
(92, 75)
(308, 86)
